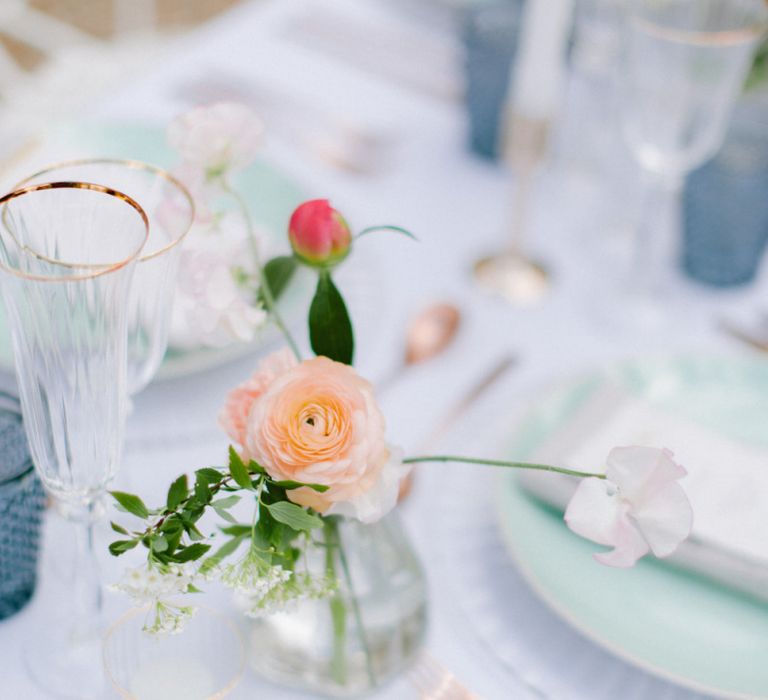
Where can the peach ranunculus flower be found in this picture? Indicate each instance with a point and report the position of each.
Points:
(318, 423)
(234, 416)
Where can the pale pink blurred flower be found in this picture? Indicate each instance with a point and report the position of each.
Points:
(234, 415)
(224, 136)
(638, 508)
(203, 191)
(211, 307)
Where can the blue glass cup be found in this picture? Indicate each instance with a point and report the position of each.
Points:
(22, 502)
(725, 205)
(489, 34)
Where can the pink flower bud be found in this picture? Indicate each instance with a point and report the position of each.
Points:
(319, 234)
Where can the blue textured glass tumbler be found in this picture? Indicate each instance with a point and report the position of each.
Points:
(489, 32)
(22, 501)
(726, 207)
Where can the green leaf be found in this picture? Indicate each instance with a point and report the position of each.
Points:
(236, 530)
(173, 537)
(119, 547)
(229, 547)
(330, 330)
(281, 537)
(288, 485)
(224, 503)
(119, 528)
(225, 515)
(194, 534)
(238, 470)
(177, 492)
(210, 474)
(277, 274)
(130, 503)
(202, 490)
(171, 525)
(255, 468)
(191, 553)
(159, 544)
(221, 505)
(293, 516)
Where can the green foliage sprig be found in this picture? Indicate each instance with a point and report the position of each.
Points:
(171, 534)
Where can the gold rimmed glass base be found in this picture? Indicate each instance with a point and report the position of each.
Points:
(513, 277)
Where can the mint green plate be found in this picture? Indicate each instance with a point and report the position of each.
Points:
(271, 195)
(662, 619)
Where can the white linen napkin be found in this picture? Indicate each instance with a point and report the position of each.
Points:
(727, 481)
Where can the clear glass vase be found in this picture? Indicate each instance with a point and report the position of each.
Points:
(368, 632)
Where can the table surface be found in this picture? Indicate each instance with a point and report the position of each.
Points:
(456, 205)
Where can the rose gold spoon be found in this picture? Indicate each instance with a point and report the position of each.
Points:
(429, 333)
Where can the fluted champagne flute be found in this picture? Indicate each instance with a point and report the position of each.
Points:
(67, 257)
(171, 211)
(684, 64)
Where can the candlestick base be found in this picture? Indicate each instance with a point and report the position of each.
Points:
(514, 278)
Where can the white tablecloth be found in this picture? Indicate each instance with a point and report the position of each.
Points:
(456, 206)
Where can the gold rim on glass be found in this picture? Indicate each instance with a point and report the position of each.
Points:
(698, 37)
(133, 165)
(134, 612)
(98, 269)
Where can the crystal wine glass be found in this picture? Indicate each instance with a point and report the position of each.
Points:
(171, 211)
(684, 63)
(67, 256)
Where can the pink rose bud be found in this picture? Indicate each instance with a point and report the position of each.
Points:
(319, 234)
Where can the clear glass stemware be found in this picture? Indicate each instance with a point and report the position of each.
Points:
(205, 662)
(684, 63)
(67, 256)
(170, 210)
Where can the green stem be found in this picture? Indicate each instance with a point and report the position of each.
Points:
(269, 299)
(396, 229)
(499, 463)
(355, 609)
(338, 609)
(255, 518)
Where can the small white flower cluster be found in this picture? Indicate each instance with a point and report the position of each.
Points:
(266, 588)
(287, 597)
(254, 576)
(145, 584)
(167, 618)
(155, 584)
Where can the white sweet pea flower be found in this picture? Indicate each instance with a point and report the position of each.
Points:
(218, 138)
(638, 508)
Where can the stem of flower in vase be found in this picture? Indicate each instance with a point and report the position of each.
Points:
(269, 298)
(333, 541)
(338, 609)
(356, 609)
(500, 463)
